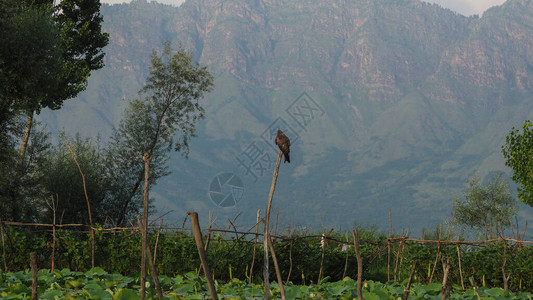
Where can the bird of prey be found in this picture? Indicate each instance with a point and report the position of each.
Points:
(284, 145)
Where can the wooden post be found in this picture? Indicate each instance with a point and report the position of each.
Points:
(459, 258)
(408, 288)
(151, 263)
(88, 206)
(323, 246)
(53, 206)
(389, 246)
(290, 264)
(446, 268)
(201, 251)
(505, 276)
(255, 244)
(265, 226)
(3, 244)
(276, 266)
(209, 230)
(346, 258)
(144, 223)
(34, 278)
(355, 234)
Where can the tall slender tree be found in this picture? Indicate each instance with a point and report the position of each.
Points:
(162, 118)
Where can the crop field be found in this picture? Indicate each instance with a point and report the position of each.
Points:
(98, 284)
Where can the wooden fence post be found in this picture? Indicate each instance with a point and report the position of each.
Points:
(265, 226)
(3, 244)
(34, 278)
(201, 251)
(255, 244)
(151, 261)
(408, 288)
(459, 258)
(446, 269)
(355, 234)
(276, 266)
(88, 206)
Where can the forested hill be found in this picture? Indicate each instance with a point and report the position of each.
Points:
(401, 102)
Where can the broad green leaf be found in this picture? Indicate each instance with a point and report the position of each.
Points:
(51, 294)
(96, 271)
(127, 294)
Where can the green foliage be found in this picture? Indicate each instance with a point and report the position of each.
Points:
(46, 56)
(486, 208)
(176, 253)
(69, 42)
(62, 181)
(99, 284)
(164, 117)
(21, 191)
(28, 77)
(518, 152)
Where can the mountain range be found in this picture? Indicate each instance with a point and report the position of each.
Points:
(390, 105)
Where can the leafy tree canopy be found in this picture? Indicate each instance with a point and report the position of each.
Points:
(162, 118)
(47, 52)
(518, 152)
(486, 208)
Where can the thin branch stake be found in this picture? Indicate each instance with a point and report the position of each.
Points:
(265, 225)
(88, 205)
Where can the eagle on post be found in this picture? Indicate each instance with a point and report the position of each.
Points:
(284, 145)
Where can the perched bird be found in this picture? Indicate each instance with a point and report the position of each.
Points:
(284, 145)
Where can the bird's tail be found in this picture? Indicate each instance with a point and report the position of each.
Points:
(287, 157)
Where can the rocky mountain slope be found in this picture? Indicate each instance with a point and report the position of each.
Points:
(390, 104)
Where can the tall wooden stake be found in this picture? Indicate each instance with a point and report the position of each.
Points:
(276, 266)
(255, 243)
(201, 251)
(446, 270)
(459, 258)
(34, 278)
(146, 159)
(151, 262)
(408, 288)
(88, 206)
(265, 225)
(3, 244)
(355, 234)
(389, 246)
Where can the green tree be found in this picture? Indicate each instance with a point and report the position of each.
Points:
(21, 191)
(47, 54)
(61, 180)
(518, 152)
(161, 119)
(486, 208)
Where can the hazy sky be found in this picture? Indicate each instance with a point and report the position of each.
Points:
(465, 7)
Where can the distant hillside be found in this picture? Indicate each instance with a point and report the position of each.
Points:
(390, 104)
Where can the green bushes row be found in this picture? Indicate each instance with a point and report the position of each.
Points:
(176, 253)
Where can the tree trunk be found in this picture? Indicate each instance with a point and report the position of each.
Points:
(25, 139)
